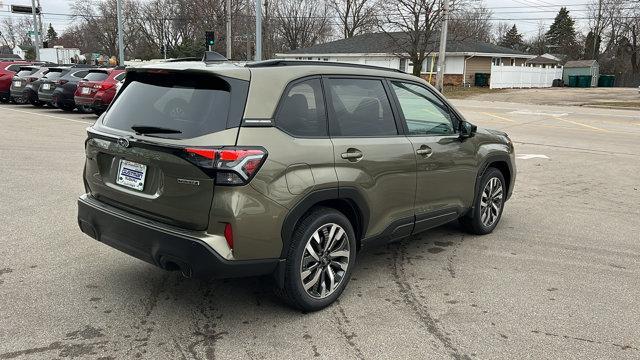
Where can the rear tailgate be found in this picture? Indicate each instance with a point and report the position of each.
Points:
(150, 172)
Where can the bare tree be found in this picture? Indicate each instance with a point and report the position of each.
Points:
(355, 17)
(303, 23)
(500, 30)
(14, 31)
(471, 22)
(411, 26)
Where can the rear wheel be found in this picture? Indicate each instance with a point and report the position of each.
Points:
(488, 204)
(320, 260)
(67, 108)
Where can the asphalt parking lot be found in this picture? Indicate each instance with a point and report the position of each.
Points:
(559, 278)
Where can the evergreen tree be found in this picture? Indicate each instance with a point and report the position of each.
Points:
(512, 39)
(52, 35)
(589, 52)
(561, 37)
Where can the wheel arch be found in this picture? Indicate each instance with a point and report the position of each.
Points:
(348, 201)
(502, 162)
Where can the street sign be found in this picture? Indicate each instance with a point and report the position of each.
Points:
(19, 9)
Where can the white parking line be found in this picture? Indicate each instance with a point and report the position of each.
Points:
(47, 115)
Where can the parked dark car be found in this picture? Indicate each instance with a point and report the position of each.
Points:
(107, 91)
(62, 96)
(88, 87)
(7, 70)
(46, 84)
(32, 83)
(21, 79)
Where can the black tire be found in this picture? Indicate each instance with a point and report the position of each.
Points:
(98, 112)
(36, 103)
(293, 291)
(67, 108)
(473, 222)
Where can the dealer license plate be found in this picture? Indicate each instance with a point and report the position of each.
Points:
(46, 86)
(85, 90)
(17, 83)
(131, 174)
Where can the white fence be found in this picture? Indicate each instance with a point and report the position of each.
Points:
(523, 77)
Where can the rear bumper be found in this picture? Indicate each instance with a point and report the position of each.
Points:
(83, 100)
(45, 97)
(161, 245)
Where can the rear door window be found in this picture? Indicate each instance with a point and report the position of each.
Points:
(360, 107)
(185, 105)
(120, 77)
(301, 112)
(96, 76)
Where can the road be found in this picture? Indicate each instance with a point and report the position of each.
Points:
(559, 277)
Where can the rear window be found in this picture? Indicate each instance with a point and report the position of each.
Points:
(96, 76)
(54, 75)
(26, 72)
(194, 105)
(14, 67)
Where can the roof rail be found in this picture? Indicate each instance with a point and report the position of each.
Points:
(184, 59)
(277, 62)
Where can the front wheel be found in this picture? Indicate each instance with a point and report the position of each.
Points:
(488, 204)
(320, 260)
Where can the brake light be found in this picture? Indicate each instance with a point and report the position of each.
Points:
(62, 82)
(106, 86)
(31, 79)
(228, 235)
(230, 166)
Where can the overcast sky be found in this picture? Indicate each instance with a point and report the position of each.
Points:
(526, 14)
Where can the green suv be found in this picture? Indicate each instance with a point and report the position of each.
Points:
(284, 168)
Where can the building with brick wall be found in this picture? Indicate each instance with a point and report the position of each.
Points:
(462, 61)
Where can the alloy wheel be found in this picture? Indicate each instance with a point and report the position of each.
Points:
(491, 202)
(325, 261)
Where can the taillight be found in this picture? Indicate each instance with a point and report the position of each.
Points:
(106, 86)
(231, 166)
(61, 82)
(228, 235)
(31, 79)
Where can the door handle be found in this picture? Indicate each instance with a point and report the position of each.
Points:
(424, 151)
(352, 154)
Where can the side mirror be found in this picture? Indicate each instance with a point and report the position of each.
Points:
(467, 129)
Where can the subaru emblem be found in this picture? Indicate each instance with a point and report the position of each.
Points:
(123, 142)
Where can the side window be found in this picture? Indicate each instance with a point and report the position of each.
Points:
(360, 107)
(302, 110)
(423, 112)
(13, 67)
(119, 77)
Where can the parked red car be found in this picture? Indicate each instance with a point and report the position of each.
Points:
(107, 91)
(89, 86)
(7, 70)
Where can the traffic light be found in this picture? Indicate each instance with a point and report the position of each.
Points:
(210, 37)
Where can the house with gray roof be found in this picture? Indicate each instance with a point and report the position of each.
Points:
(464, 58)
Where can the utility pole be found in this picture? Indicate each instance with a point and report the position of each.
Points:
(164, 40)
(229, 29)
(248, 32)
(258, 30)
(443, 46)
(35, 30)
(40, 23)
(120, 34)
(596, 31)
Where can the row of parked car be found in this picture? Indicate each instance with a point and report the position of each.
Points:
(67, 87)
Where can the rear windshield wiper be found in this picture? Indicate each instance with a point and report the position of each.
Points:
(143, 129)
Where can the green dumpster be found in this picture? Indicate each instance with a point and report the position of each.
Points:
(573, 81)
(584, 81)
(606, 80)
(482, 79)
